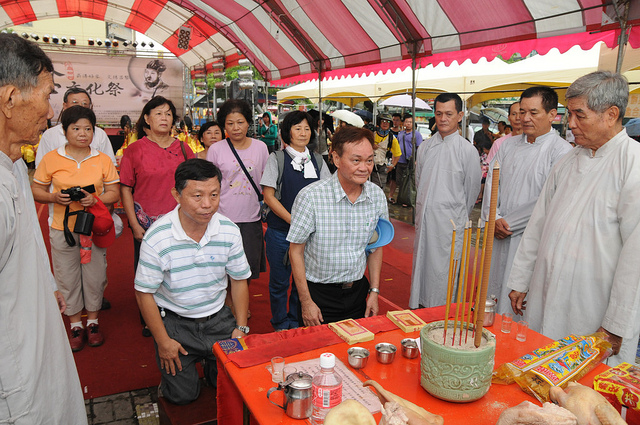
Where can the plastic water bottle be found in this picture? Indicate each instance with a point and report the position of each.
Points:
(327, 389)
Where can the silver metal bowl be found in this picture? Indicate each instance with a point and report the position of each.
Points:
(358, 357)
(385, 352)
(410, 348)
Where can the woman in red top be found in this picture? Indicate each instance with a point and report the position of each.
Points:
(147, 170)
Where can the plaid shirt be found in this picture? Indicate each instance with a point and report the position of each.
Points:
(335, 230)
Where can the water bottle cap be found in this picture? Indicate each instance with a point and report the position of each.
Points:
(327, 360)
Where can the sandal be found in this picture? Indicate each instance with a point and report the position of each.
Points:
(392, 201)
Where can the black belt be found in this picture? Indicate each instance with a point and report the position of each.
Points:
(191, 319)
(342, 285)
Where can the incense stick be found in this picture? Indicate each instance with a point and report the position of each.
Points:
(488, 248)
(449, 286)
(474, 281)
(463, 283)
(480, 274)
(463, 263)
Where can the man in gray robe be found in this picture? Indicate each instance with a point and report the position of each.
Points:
(448, 178)
(577, 263)
(38, 379)
(525, 162)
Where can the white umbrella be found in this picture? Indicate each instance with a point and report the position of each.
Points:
(404, 101)
(348, 117)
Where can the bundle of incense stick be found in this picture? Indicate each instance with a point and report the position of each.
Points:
(474, 287)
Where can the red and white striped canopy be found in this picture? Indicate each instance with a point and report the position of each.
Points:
(286, 38)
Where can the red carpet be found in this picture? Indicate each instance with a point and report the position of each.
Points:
(126, 361)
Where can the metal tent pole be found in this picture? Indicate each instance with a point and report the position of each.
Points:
(320, 122)
(413, 114)
(623, 37)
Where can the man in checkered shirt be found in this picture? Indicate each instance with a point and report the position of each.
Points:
(332, 221)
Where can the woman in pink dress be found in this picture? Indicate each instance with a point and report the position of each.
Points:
(240, 197)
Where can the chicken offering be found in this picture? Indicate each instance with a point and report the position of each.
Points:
(527, 413)
(395, 413)
(589, 406)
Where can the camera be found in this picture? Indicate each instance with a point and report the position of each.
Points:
(75, 192)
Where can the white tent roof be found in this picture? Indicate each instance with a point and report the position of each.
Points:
(471, 80)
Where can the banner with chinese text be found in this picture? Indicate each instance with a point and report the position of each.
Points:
(118, 85)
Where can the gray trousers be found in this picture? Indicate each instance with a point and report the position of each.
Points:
(198, 340)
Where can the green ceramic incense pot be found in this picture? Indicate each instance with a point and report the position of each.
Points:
(456, 374)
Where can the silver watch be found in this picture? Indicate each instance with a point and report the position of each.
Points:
(243, 329)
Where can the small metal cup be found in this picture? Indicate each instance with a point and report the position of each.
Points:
(358, 357)
(409, 348)
(385, 352)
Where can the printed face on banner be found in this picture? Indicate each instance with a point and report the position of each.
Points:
(117, 85)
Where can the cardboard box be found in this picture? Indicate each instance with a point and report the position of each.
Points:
(621, 387)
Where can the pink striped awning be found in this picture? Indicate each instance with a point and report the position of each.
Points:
(289, 38)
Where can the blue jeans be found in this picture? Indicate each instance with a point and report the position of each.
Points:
(280, 281)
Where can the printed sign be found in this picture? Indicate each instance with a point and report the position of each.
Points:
(118, 85)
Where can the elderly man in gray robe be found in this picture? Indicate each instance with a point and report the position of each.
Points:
(38, 379)
(525, 162)
(448, 178)
(577, 263)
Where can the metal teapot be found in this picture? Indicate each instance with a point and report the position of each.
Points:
(490, 311)
(297, 395)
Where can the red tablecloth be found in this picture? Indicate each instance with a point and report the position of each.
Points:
(250, 384)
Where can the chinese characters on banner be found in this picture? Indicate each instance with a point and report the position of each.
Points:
(633, 108)
(118, 85)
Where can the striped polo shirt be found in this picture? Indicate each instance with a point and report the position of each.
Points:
(189, 277)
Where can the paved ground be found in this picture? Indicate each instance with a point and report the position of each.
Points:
(130, 408)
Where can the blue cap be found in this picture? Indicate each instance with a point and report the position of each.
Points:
(384, 232)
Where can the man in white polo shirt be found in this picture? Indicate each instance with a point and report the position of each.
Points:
(188, 259)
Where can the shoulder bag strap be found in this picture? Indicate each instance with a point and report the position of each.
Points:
(68, 236)
(260, 197)
(280, 161)
(184, 152)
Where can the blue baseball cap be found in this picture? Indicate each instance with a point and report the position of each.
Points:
(382, 235)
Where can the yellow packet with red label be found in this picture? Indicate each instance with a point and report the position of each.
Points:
(567, 359)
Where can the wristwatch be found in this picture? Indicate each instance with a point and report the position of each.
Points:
(243, 329)
(376, 290)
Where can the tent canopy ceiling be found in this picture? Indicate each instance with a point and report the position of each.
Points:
(287, 38)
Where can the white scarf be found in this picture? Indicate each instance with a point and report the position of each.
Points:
(302, 160)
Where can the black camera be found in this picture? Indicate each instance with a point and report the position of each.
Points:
(75, 192)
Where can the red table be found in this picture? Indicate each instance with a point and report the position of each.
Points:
(245, 389)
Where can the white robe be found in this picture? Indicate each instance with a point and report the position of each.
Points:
(448, 178)
(524, 168)
(38, 379)
(578, 258)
